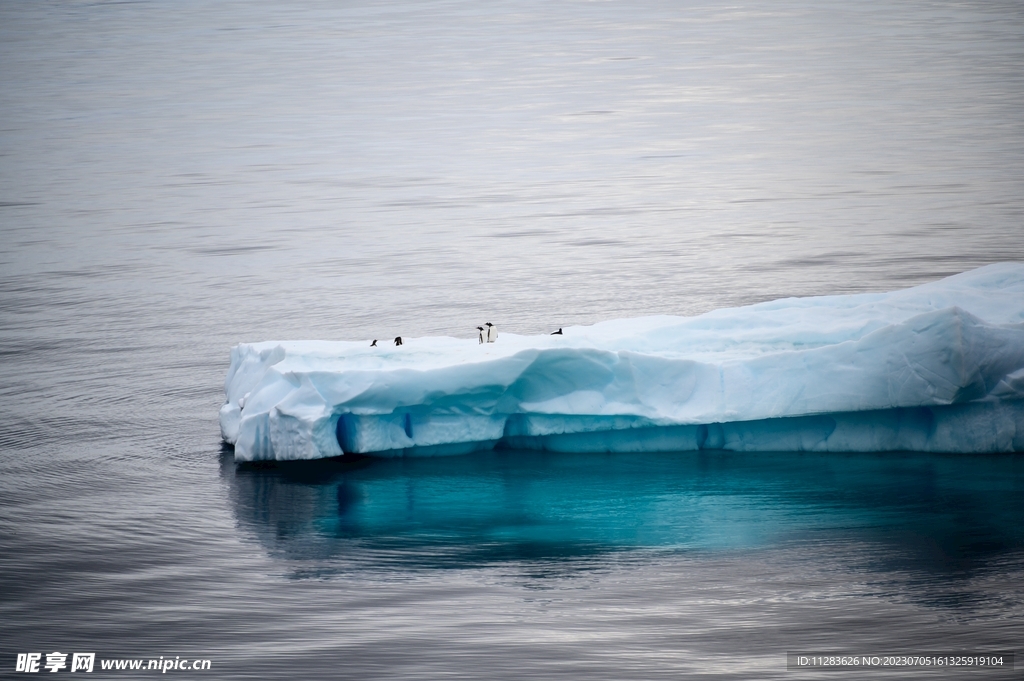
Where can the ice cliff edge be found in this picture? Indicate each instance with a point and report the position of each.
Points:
(938, 367)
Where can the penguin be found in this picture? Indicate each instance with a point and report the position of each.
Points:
(481, 334)
(557, 333)
(398, 340)
(374, 343)
(492, 332)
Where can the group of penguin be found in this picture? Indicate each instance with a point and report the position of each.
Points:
(490, 334)
(487, 335)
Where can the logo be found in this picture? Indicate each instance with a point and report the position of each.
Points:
(55, 661)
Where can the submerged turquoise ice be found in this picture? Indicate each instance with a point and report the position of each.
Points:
(938, 367)
(945, 513)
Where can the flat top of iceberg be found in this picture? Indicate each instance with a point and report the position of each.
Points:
(994, 294)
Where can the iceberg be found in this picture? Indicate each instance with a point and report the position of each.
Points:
(935, 368)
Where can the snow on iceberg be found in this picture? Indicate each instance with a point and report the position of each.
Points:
(938, 367)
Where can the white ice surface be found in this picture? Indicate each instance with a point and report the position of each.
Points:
(939, 367)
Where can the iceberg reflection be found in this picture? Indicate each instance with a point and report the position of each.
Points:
(940, 514)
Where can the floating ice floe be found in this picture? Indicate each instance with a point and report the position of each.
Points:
(938, 367)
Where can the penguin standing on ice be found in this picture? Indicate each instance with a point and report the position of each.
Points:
(481, 334)
(398, 340)
(492, 332)
(374, 343)
(557, 333)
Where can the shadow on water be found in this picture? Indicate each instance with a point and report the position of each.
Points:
(935, 515)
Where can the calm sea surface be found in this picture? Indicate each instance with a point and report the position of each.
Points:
(177, 177)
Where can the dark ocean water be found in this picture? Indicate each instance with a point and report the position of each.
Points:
(179, 177)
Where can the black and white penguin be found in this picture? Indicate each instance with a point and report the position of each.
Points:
(481, 334)
(557, 333)
(374, 343)
(492, 332)
(398, 340)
